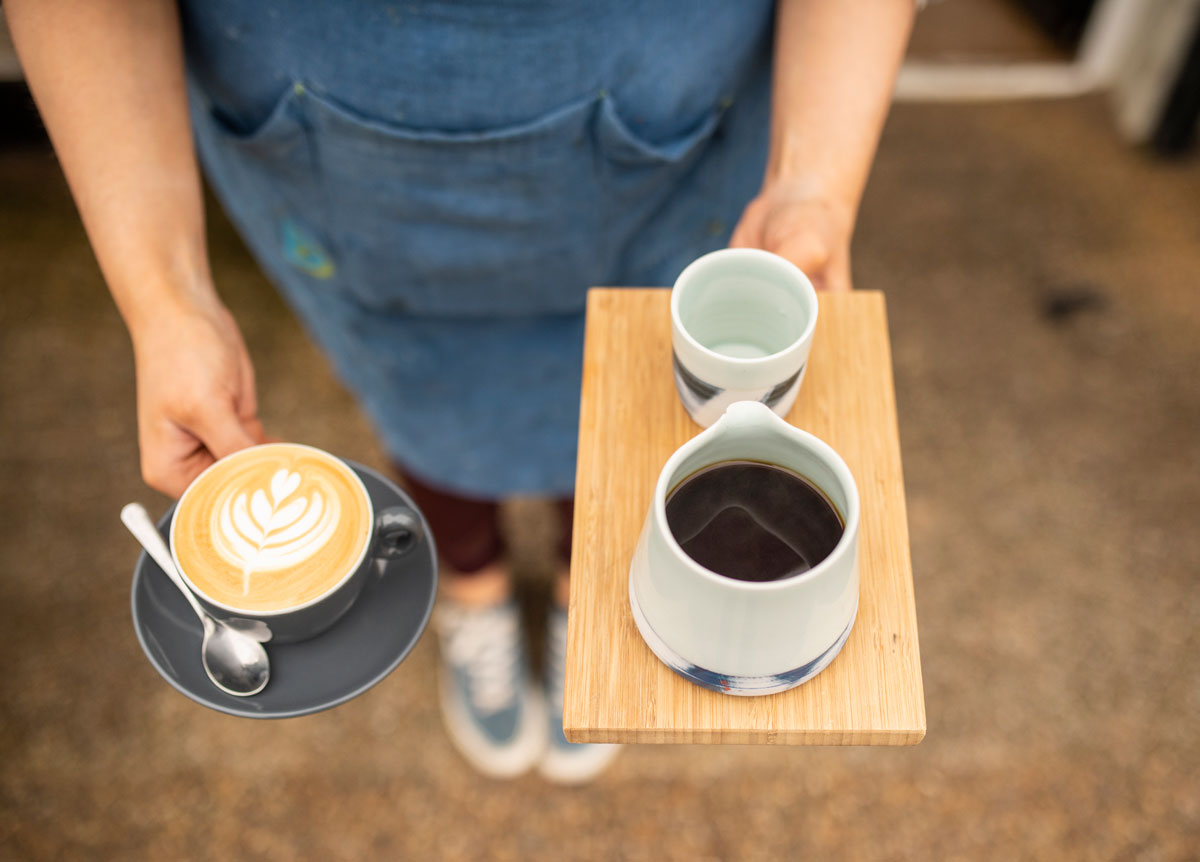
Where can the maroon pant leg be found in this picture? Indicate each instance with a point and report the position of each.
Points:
(467, 531)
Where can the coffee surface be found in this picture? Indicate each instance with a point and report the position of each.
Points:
(753, 521)
(271, 527)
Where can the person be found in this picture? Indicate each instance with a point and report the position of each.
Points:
(433, 186)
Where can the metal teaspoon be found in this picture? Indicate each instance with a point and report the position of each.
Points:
(234, 660)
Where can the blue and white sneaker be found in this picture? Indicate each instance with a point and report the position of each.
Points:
(565, 762)
(492, 713)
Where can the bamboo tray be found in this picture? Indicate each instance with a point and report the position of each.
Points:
(630, 422)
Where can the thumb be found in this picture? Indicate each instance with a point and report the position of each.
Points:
(748, 231)
(806, 250)
(221, 430)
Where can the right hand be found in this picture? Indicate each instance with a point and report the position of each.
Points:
(195, 394)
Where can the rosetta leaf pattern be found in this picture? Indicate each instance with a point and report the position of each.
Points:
(272, 528)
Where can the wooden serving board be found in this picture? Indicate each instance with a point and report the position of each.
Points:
(630, 422)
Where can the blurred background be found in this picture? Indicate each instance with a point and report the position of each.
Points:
(1034, 218)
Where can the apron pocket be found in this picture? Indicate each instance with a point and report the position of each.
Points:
(267, 177)
(512, 221)
(498, 222)
(625, 147)
(642, 180)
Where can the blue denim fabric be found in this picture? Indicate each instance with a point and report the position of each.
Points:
(434, 186)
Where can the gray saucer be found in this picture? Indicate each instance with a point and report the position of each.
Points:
(362, 648)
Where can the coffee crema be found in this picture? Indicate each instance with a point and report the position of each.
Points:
(271, 527)
(752, 521)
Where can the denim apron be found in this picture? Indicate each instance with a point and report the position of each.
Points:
(434, 186)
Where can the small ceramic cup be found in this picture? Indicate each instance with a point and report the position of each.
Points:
(742, 323)
(747, 637)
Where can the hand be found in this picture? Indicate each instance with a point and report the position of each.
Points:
(195, 394)
(812, 232)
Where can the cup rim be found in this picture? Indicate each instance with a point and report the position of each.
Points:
(278, 612)
(831, 459)
(689, 273)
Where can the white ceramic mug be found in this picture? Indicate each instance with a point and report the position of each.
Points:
(742, 323)
(746, 637)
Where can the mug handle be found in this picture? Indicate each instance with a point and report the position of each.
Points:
(397, 531)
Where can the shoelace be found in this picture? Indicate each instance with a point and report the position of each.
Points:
(485, 645)
(556, 658)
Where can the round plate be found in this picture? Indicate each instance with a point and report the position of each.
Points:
(362, 648)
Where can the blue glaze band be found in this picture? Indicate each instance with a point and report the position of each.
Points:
(746, 686)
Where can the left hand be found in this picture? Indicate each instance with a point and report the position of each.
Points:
(811, 231)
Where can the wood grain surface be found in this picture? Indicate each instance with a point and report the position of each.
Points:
(631, 420)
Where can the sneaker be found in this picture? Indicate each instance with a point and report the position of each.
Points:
(492, 713)
(565, 762)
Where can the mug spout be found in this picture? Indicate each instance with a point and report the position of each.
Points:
(748, 414)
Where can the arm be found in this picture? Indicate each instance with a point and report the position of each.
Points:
(108, 80)
(835, 66)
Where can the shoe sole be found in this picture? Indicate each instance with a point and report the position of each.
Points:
(486, 757)
(576, 766)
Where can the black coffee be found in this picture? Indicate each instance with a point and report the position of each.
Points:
(752, 521)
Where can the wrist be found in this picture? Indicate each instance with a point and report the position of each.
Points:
(158, 302)
(154, 271)
(813, 189)
(812, 194)
(809, 171)
(163, 311)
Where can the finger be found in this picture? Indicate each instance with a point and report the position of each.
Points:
(741, 237)
(807, 251)
(169, 481)
(193, 466)
(738, 239)
(220, 429)
(248, 399)
(172, 461)
(748, 232)
(837, 278)
(255, 429)
(248, 395)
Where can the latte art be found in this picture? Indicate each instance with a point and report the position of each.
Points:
(267, 535)
(271, 527)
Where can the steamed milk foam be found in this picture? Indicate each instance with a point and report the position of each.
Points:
(271, 527)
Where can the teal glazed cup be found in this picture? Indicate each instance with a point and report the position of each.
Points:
(742, 324)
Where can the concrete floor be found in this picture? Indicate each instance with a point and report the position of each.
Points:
(1041, 285)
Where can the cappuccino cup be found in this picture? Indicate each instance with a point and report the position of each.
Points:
(284, 534)
(742, 635)
(742, 323)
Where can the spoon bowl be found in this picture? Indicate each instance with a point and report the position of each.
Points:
(233, 655)
(235, 662)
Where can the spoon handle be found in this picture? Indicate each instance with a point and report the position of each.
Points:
(137, 519)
